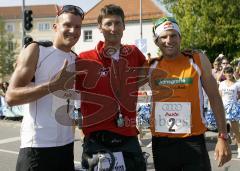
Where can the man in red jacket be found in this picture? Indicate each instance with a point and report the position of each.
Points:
(107, 81)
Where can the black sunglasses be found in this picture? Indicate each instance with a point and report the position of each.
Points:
(71, 9)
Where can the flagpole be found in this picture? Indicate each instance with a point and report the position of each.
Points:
(140, 18)
(23, 30)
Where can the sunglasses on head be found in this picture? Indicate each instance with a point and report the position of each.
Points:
(164, 19)
(71, 9)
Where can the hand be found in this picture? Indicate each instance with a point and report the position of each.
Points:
(222, 152)
(63, 79)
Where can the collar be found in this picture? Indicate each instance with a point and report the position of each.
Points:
(105, 54)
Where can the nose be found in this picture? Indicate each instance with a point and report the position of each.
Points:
(72, 29)
(113, 27)
(168, 39)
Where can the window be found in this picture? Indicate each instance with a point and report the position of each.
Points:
(43, 26)
(87, 35)
(9, 27)
(10, 45)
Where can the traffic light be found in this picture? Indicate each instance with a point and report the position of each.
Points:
(28, 20)
(27, 39)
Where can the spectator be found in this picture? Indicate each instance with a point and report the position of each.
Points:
(220, 75)
(230, 92)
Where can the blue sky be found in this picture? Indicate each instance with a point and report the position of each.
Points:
(84, 4)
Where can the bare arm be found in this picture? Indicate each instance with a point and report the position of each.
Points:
(219, 75)
(211, 89)
(238, 94)
(19, 91)
(222, 150)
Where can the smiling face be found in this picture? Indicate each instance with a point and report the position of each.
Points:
(169, 43)
(224, 63)
(112, 27)
(68, 31)
(228, 73)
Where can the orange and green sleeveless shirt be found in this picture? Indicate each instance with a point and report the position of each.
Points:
(177, 109)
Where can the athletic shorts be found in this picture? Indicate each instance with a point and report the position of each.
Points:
(129, 146)
(46, 159)
(180, 154)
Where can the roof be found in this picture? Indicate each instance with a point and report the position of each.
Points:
(131, 9)
(39, 11)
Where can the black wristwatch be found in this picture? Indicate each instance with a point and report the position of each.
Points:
(223, 136)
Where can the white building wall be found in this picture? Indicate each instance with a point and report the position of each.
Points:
(130, 35)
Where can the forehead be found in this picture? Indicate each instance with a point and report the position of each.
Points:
(169, 32)
(69, 17)
(111, 18)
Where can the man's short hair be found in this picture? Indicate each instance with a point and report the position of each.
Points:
(110, 9)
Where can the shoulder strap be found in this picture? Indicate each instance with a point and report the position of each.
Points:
(74, 53)
(46, 43)
(190, 54)
(40, 43)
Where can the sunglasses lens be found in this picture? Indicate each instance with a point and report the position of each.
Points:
(71, 8)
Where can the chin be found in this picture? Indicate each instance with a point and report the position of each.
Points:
(70, 43)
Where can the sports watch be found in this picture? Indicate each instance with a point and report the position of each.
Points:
(223, 136)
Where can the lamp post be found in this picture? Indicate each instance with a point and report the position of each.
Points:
(140, 18)
(23, 30)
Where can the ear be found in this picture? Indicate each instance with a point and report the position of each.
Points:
(54, 26)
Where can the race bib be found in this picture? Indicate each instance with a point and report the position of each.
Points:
(105, 160)
(173, 117)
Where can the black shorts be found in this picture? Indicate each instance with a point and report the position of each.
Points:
(46, 159)
(180, 154)
(104, 140)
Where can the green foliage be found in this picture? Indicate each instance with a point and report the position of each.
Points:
(213, 26)
(7, 56)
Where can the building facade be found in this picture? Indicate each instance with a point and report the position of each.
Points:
(44, 16)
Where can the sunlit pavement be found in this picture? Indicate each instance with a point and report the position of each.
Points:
(10, 142)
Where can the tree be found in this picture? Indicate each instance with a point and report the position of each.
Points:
(7, 51)
(212, 26)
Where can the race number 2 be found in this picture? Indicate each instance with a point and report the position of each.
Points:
(173, 117)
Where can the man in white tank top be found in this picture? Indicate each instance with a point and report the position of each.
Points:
(41, 80)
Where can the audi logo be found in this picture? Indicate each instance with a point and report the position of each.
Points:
(172, 107)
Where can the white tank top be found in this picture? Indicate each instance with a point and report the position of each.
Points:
(229, 93)
(39, 127)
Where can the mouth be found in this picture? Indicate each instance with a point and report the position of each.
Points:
(169, 47)
(114, 35)
(71, 37)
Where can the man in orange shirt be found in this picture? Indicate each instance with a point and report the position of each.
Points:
(177, 122)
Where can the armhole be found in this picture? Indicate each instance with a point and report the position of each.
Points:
(196, 58)
(39, 49)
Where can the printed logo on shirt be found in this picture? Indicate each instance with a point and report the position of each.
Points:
(172, 81)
